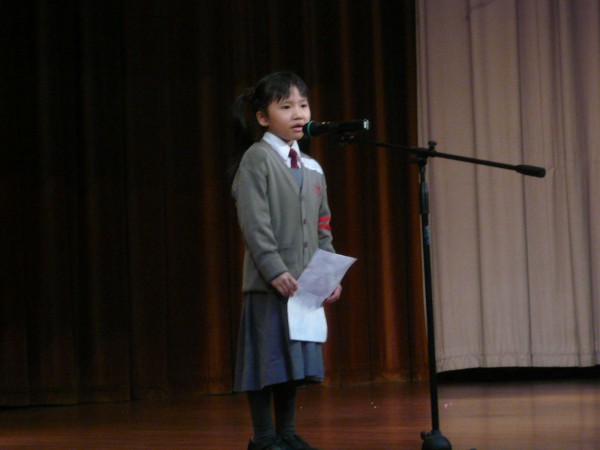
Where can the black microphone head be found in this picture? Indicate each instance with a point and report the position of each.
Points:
(306, 127)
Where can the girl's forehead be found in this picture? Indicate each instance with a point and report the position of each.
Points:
(294, 94)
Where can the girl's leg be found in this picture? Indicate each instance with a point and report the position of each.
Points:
(284, 396)
(260, 410)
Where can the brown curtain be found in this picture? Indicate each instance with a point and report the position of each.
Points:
(120, 268)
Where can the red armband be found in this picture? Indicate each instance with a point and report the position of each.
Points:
(324, 223)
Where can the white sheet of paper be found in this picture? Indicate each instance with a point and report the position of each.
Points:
(306, 315)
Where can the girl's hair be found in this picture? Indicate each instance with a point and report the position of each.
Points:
(271, 88)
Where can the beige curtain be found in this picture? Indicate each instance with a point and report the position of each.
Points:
(516, 260)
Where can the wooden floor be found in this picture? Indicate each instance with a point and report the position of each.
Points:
(521, 415)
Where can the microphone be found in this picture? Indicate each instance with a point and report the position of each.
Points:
(314, 129)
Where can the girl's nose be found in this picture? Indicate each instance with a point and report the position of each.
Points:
(298, 112)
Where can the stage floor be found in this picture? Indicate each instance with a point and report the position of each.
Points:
(561, 415)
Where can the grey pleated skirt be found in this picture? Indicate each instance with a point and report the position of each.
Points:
(265, 353)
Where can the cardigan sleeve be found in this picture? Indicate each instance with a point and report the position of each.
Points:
(254, 216)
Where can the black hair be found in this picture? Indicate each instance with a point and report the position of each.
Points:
(272, 88)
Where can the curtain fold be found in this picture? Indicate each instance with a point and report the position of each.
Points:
(516, 271)
(121, 262)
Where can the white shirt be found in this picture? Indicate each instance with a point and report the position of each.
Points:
(282, 148)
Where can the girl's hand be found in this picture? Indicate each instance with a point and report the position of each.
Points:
(335, 296)
(285, 284)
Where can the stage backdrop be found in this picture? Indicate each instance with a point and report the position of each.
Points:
(517, 260)
(121, 255)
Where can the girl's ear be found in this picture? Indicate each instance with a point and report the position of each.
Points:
(262, 118)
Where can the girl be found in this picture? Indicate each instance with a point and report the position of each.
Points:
(281, 199)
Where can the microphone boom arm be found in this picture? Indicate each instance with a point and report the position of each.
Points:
(430, 152)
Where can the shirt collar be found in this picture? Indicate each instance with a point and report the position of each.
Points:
(281, 147)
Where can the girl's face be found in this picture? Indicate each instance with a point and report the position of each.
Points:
(286, 117)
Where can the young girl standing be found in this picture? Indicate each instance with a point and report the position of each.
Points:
(281, 200)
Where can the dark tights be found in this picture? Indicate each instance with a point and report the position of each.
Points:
(284, 398)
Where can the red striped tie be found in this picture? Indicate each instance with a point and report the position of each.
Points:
(294, 157)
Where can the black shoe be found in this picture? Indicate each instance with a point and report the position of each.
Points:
(267, 444)
(296, 443)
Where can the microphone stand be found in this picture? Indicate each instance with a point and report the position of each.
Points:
(434, 439)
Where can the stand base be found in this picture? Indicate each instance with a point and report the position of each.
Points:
(435, 440)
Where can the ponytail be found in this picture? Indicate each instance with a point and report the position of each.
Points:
(244, 131)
